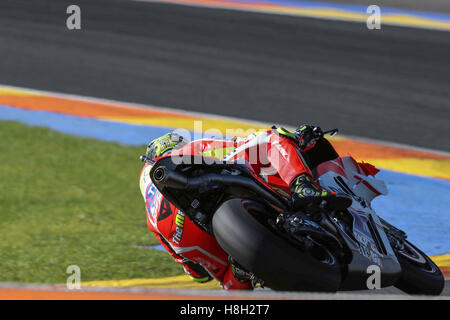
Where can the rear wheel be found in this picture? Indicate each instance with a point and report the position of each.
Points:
(420, 275)
(280, 264)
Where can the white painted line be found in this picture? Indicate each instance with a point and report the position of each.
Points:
(239, 294)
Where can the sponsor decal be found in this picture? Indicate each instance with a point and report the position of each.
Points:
(179, 227)
(206, 264)
(152, 201)
(165, 210)
(151, 191)
(144, 180)
(367, 248)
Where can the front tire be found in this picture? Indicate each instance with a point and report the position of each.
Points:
(420, 275)
(268, 256)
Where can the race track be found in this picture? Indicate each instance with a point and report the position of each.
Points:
(390, 84)
(131, 124)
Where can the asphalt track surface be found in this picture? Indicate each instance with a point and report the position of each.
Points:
(390, 84)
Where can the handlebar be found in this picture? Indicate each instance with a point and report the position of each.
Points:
(331, 132)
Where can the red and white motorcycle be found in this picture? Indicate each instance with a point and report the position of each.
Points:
(284, 249)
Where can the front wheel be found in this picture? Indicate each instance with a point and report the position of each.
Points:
(420, 275)
(281, 265)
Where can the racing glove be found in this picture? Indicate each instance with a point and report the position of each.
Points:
(308, 135)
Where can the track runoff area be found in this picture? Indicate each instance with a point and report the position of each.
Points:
(402, 167)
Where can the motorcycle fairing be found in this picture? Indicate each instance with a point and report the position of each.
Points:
(367, 241)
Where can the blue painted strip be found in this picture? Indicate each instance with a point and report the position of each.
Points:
(418, 205)
(128, 134)
(158, 247)
(350, 7)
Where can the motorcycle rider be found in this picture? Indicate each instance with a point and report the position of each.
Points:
(274, 154)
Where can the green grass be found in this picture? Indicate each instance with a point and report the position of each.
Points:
(66, 200)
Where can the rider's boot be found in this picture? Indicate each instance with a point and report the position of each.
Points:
(236, 277)
(306, 193)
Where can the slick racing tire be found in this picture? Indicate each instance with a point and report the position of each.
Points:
(281, 265)
(420, 275)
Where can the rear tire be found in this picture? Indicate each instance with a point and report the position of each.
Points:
(420, 275)
(268, 256)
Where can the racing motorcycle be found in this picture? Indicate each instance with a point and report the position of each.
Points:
(289, 250)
